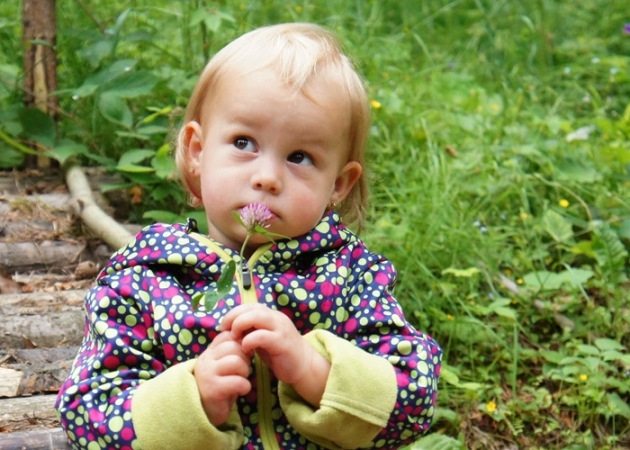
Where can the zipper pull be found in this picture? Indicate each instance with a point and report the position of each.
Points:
(246, 275)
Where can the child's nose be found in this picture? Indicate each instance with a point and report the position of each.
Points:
(267, 178)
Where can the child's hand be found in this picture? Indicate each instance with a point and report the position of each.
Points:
(281, 347)
(221, 373)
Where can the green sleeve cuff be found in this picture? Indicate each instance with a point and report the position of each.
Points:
(359, 397)
(168, 414)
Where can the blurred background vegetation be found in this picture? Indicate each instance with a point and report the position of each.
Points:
(500, 165)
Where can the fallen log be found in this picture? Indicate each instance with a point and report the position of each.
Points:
(45, 202)
(41, 319)
(26, 256)
(25, 372)
(25, 227)
(23, 412)
(50, 439)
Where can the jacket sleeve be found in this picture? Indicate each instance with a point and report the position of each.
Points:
(121, 393)
(382, 388)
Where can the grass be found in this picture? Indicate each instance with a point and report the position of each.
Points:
(499, 157)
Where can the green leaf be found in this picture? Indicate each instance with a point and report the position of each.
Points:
(115, 110)
(128, 160)
(608, 344)
(10, 157)
(162, 162)
(133, 84)
(38, 126)
(449, 376)
(616, 406)
(577, 170)
(66, 151)
(196, 299)
(557, 226)
(544, 280)
(96, 81)
(461, 273)
(161, 216)
(227, 277)
(437, 441)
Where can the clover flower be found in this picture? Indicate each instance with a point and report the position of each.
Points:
(255, 219)
(626, 28)
(255, 215)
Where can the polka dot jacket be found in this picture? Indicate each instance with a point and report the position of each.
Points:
(132, 384)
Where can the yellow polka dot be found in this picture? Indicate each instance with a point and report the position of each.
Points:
(300, 294)
(314, 317)
(191, 259)
(323, 227)
(100, 327)
(175, 258)
(341, 314)
(110, 333)
(159, 312)
(283, 300)
(185, 337)
(404, 347)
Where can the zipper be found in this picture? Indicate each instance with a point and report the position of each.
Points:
(263, 377)
(245, 283)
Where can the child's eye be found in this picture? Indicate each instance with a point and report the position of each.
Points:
(245, 144)
(300, 157)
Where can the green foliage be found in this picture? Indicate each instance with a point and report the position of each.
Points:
(500, 167)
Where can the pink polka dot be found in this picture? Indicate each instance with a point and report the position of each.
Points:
(111, 362)
(96, 415)
(350, 325)
(189, 322)
(169, 351)
(126, 434)
(403, 381)
(327, 288)
(382, 279)
(125, 290)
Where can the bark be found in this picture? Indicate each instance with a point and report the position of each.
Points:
(48, 439)
(41, 319)
(27, 372)
(40, 60)
(45, 255)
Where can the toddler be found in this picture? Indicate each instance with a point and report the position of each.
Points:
(308, 349)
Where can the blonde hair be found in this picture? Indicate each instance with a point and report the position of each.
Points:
(299, 52)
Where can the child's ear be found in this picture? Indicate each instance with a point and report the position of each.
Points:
(347, 178)
(193, 145)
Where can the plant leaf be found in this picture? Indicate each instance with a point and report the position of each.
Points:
(227, 277)
(38, 126)
(461, 273)
(557, 226)
(115, 109)
(437, 441)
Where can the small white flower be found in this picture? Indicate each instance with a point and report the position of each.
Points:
(581, 134)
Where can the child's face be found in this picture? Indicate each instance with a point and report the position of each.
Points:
(259, 142)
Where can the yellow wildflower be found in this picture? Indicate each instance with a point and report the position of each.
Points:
(523, 215)
(564, 203)
(450, 317)
(583, 377)
(491, 406)
(519, 281)
(376, 104)
(298, 9)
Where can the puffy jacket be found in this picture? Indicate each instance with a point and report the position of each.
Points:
(132, 383)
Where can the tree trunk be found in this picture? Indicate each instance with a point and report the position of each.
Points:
(39, 23)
